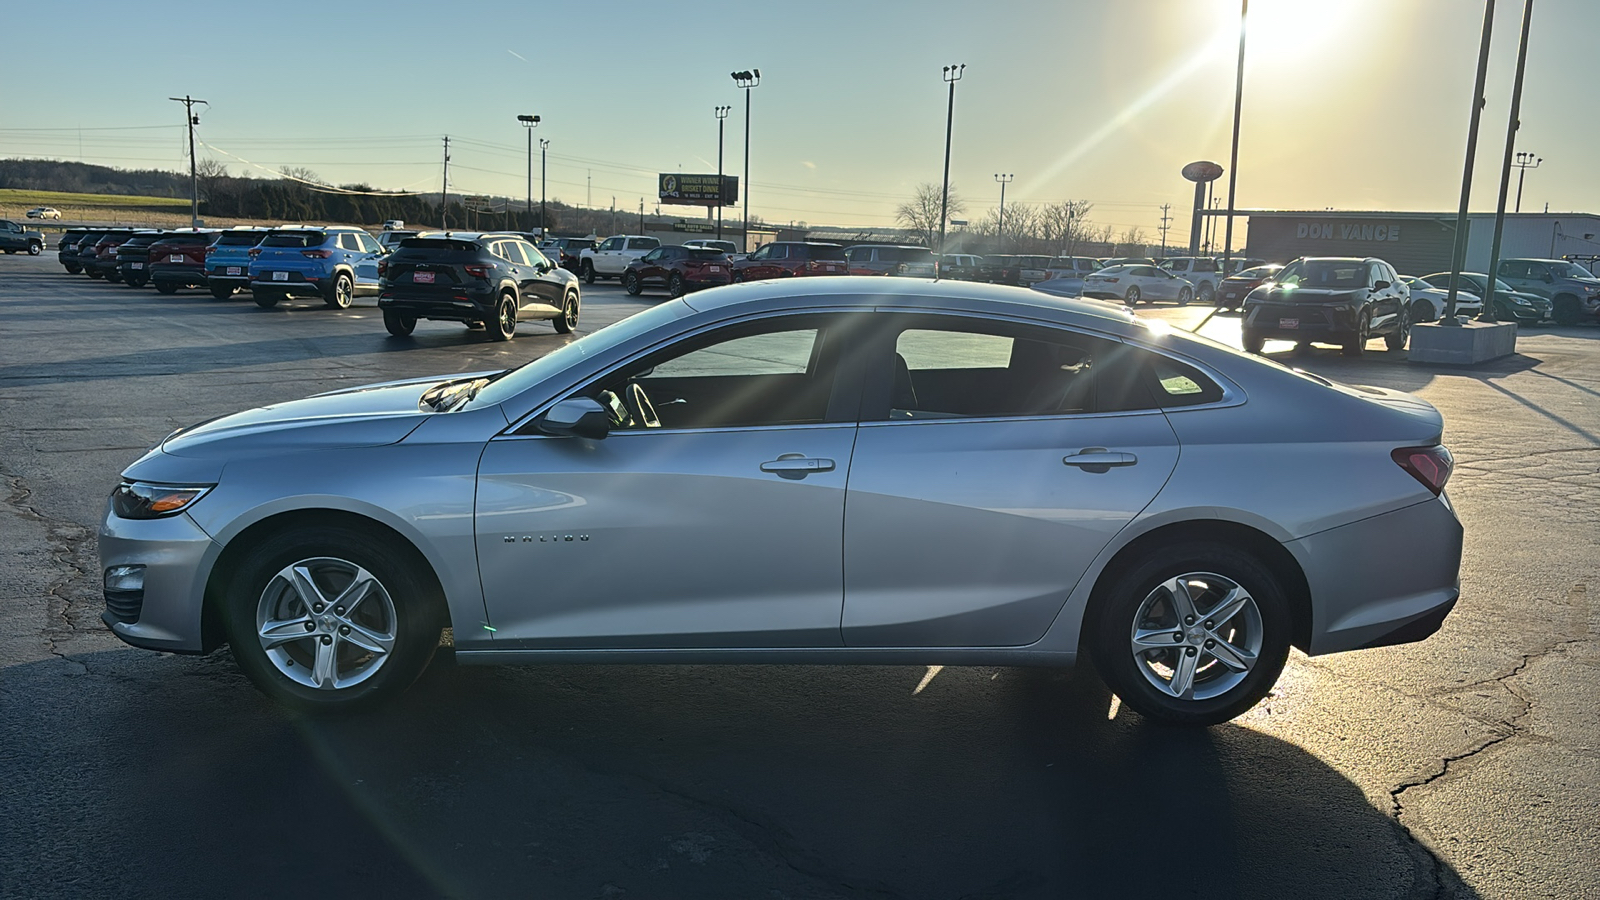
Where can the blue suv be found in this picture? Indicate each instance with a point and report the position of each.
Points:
(336, 263)
(228, 260)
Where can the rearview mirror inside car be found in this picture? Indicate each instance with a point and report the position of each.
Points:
(576, 417)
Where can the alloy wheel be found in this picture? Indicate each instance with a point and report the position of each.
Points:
(1196, 636)
(326, 623)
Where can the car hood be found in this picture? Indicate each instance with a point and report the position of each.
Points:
(367, 416)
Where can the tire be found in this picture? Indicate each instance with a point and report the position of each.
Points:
(1206, 293)
(1144, 596)
(1132, 296)
(400, 613)
(1567, 310)
(264, 298)
(399, 325)
(167, 287)
(504, 324)
(675, 286)
(95, 274)
(340, 292)
(630, 283)
(1422, 311)
(567, 322)
(72, 268)
(35, 248)
(1396, 339)
(134, 281)
(1357, 344)
(588, 272)
(1253, 342)
(222, 293)
(114, 276)
(1184, 296)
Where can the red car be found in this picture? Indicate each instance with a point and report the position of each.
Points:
(1234, 288)
(101, 262)
(678, 269)
(179, 260)
(785, 259)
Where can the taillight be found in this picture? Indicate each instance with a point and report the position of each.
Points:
(383, 267)
(255, 252)
(1429, 465)
(477, 271)
(210, 250)
(316, 254)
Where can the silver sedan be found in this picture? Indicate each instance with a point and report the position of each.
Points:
(830, 470)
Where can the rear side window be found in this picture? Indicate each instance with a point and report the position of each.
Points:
(1178, 384)
(704, 253)
(905, 254)
(643, 243)
(814, 251)
(294, 239)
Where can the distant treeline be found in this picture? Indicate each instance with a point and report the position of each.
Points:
(82, 178)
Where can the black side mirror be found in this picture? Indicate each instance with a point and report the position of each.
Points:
(576, 417)
(1381, 285)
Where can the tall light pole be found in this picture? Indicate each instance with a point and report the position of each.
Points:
(747, 80)
(1525, 161)
(722, 114)
(192, 120)
(544, 145)
(1233, 159)
(530, 123)
(952, 74)
(1458, 255)
(1489, 274)
(1000, 233)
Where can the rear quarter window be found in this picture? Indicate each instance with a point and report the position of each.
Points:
(813, 252)
(1175, 383)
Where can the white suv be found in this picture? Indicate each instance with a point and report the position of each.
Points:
(612, 257)
(1200, 271)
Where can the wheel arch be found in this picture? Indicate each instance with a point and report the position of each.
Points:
(233, 553)
(1271, 552)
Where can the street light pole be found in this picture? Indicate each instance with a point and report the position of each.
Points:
(747, 80)
(530, 123)
(721, 114)
(1458, 256)
(952, 74)
(1233, 158)
(1000, 233)
(1525, 161)
(192, 120)
(544, 144)
(1491, 273)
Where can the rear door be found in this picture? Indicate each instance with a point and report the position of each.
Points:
(994, 461)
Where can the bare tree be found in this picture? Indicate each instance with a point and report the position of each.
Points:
(302, 174)
(210, 173)
(921, 214)
(1135, 236)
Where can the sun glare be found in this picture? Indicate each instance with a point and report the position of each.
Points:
(1281, 30)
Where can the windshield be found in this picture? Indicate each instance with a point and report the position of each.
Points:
(520, 379)
(1324, 273)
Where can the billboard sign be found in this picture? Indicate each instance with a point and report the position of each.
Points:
(697, 190)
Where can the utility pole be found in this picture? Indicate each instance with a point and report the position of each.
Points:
(444, 193)
(588, 189)
(952, 74)
(1000, 232)
(641, 215)
(194, 174)
(1525, 161)
(722, 194)
(1458, 256)
(747, 80)
(544, 228)
(1489, 274)
(1233, 159)
(1165, 221)
(613, 214)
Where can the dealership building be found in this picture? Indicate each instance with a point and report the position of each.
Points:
(1419, 243)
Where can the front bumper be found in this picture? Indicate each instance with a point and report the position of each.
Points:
(1310, 322)
(1406, 578)
(176, 555)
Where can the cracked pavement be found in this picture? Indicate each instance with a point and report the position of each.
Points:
(1464, 766)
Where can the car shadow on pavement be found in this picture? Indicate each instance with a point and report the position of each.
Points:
(167, 775)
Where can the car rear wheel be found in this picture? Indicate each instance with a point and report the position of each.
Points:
(266, 299)
(588, 272)
(504, 325)
(1567, 311)
(1357, 344)
(340, 292)
(94, 273)
(1193, 634)
(167, 287)
(675, 285)
(1132, 296)
(1253, 341)
(222, 293)
(1207, 293)
(632, 284)
(72, 269)
(1396, 339)
(567, 322)
(330, 620)
(114, 276)
(399, 325)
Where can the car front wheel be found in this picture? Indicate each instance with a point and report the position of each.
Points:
(1567, 311)
(1357, 344)
(632, 284)
(1396, 339)
(1193, 634)
(34, 249)
(331, 619)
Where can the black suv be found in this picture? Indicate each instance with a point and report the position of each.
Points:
(484, 280)
(133, 257)
(1330, 300)
(67, 250)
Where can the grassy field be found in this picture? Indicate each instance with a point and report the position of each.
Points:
(115, 208)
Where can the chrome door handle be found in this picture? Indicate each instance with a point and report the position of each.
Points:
(1099, 459)
(793, 465)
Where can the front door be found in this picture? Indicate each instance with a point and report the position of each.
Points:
(994, 462)
(710, 517)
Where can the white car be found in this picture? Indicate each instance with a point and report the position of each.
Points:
(393, 224)
(1200, 271)
(44, 212)
(1138, 284)
(613, 256)
(1428, 302)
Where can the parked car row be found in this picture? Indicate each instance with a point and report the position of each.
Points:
(487, 281)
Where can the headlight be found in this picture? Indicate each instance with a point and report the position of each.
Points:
(1520, 301)
(142, 500)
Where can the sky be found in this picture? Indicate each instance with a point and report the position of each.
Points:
(1348, 104)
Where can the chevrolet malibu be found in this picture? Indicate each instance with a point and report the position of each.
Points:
(835, 470)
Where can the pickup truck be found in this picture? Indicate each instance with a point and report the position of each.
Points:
(15, 239)
(613, 256)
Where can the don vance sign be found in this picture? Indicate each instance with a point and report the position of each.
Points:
(1330, 231)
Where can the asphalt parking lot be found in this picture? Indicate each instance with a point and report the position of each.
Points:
(1464, 766)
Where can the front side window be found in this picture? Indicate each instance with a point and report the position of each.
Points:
(611, 244)
(761, 253)
(779, 251)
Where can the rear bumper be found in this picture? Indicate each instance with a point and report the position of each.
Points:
(465, 306)
(1385, 580)
(169, 273)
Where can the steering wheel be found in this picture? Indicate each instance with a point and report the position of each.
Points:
(639, 406)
